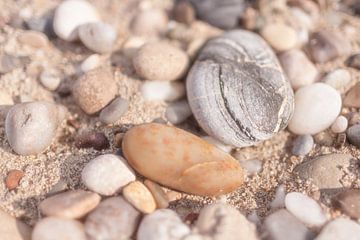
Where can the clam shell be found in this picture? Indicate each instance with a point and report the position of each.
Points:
(237, 90)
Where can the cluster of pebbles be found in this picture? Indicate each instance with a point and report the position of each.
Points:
(215, 79)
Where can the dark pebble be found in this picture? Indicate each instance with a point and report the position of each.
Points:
(92, 139)
(354, 61)
(184, 12)
(353, 135)
(349, 202)
(302, 145)
(42, 24)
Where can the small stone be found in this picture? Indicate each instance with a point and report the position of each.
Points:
(280, 36)
(72, 204)
(59, 187)
(50, 79)
(149, 23)
(316, 108)
(33, 39)
(31, 127)
(352, 98)
(162, 224)
(94, 90)
(140, 197)
(71, 14)
(42, 24)
(353, 134)
(114, 111)
(162, 91)
(338, 78)
(158, 193)
(90, 63)
(340, 125)
(326, 171)
(354, 61)
(324, 138)
(92, 139)
(178, 112)
(349, 202)
(9, 62)
(340, 229)
(306, 209)
(13, 229)
(299, 76)
(52, 228)
(151, 58)
(184, 12)
(13, 179)
(252, 166)
(279, 199)
(327, 45)
(5, 98)
(98, 36)
(107, 174)
(282, 225)
(302, 145)
(340, 140)
(114, 218)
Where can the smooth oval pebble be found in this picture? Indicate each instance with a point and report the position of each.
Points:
(72, 204)
(107, 174)
(150, 59)
(340, 125)
(139, 196)
(237, 90)
(161, 199)
(92, 139)
(12, 228)
(352, 98)
(31, 127)
(90, 63)
(13, 178)
(178, 112)
(302, 145)
(338, 79)
(349, 202)
(306, 209)
(34, 39)
(149, 23)
(50, 79)
(114, 218)
(184, 12)
(162, 91)
(114, 111)
(98, 36)
(353, 135)
(70, 14)
(180, 160)
(316, 108)
(52, 228)
(340, 229)
(163, 224)
(280, 36)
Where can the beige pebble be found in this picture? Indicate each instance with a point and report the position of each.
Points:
(91, 62)
(340, 125)
(149, 22)
(151, 58)
(279, 36)
(72, 204)
(158, 193)
(50, 79)
(352, 98)
(34, 39)
(140, 197)
(13, 229)
(13, 178)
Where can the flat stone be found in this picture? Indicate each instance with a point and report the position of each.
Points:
(352, 98)
(140, 197)
(161, 199)
(162, 91)
(340, 229)
(114, 111)
(302, 145)
(13, 229)
(349, 202)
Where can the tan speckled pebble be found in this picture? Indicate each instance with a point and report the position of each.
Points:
(140, 197)
(160, 61)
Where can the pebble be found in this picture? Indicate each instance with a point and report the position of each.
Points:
(114, 218)
(324, 138)
(279, 199)
(298, 76)
(13, 178)
(352, 98)
(325, 171)
(340, 229)
(162, 91)
(150, 59)
(149, 23)
(354, 61)
(92, 139)
(50, 79)
(42, 24)
(98, 36)
(306, 209)
(33, 39)
(107, 174)
(280, 36)
(71, 14)
(349, 202)
(178, 112)
(9, 62)
(218, 144)
(327, 45)
(31, 127)
(302, 145)
(158, 193)
(163, 224)
(184, 12)
(5, 98)
(282, 225)
(140, 197)
(181, 160)
(217, 95)
(52, 228)
(114, 111)
(222, 221)
(71, 204)
(58, 187)
(338, 78)
(13, 229)
(353, 135)
(91, 62)
(340, 125)
(316, 108)
(94, 90)
(252, 166)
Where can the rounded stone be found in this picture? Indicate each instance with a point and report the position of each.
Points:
(70, 14)
(13, 178)
(50, 79)
(31, 127)
(149, 23)
(178, 112)
(237, 90)
(113, 112)
(352, 98)
(338, 79)
(107, 174)
(340, 229)
(140, 197)
(162, 91)
(349, 202)
(340, 125)
(280, 36)
(90, 63)
(33, 39)
(316, 108)
(302, 145)
(151, 58)
(98, 36)
(353, 135)
(161, 199)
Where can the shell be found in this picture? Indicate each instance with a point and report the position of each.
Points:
(237, 90)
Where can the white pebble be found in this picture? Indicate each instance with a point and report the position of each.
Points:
(90, 63)
(340, 125)
(162, 90)
(279, 200)
(107, 174)
(114, 111)
(178, 112)
(50, 79)
(252, 166)
(340, 229)
(337, 78)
